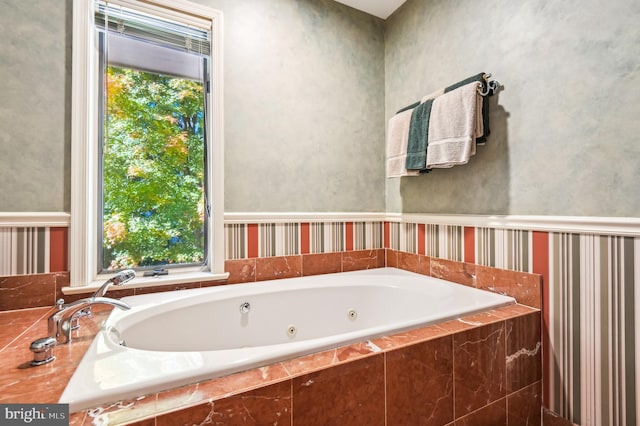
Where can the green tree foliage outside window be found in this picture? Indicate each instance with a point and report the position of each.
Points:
(153, 175)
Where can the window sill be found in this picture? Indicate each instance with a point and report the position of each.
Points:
(158, 281)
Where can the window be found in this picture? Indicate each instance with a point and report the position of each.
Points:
(146, 139)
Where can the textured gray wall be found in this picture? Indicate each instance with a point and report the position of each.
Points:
(305, 85)
(304, 106)
(566, 127)
(35, 61)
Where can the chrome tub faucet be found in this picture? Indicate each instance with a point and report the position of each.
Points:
(61, 322)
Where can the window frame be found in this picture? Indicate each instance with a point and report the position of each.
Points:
(83, 231)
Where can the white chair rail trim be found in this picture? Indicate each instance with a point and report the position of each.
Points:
(622, 226)
(34, 219)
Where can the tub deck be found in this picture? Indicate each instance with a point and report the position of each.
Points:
(188, 402)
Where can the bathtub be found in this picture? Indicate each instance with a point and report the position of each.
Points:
(175, 338)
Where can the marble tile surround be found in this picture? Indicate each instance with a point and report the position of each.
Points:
(42, 290)
(347, 385)
(30, 291)
(274, 392)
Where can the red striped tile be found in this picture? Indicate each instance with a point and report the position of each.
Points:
(386, 235)
(469, 244)
(348, 236)
(58, 250)
(252, 240)
(541, 266)
(305, 245)
(421, 238)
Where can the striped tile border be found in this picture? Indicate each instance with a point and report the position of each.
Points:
(592, 314)
(32, 250)
(24, 250)
(442, 241)
(251, 240)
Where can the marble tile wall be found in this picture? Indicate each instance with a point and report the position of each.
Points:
(269, 268)
(435, 375)
(405, 383)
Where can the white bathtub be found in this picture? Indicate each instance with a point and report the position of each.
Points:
(175, 338)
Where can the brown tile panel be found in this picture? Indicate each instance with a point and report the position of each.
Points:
(196, 415)
(479, 355)
(408, 261)
(76, 419)
(391, 258)
(266, 405)
(20, 382)
(424, 265)
(512, 311)
(457, 325)
(322, 263)
(320, 360)
(272, 268)
(362, 259)
(524, 351)
(241, 270)
(27, 291)
(349, 366)
(410, 337)
(457, 272)
(494, 414)
(62, 280)
(14, 323)
(351, 393)
(420, 384)
(199, 393)
(524, 406)
(524, 287)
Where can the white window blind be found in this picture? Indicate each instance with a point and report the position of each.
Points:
(173, 33)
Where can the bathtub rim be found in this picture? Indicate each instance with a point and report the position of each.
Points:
(80, 379)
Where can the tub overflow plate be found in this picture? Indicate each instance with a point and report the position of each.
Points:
(292, 330)
(352, 314)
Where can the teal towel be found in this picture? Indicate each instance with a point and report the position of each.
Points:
(419, 137)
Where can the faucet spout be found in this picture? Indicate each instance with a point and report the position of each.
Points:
(118, 279)
(59, 322)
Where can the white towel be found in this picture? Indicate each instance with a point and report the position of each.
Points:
(397, 140)
(433, 95)
(454, 125)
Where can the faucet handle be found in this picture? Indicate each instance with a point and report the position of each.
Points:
(60, 304)
(42, 350)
